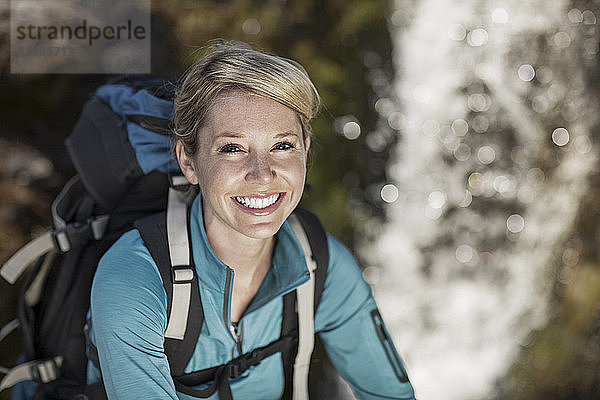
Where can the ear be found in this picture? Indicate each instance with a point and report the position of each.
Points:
(306, 145)
(186, 163)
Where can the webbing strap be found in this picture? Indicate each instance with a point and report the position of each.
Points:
(37, 370)
(182, 272)
(14, 267)
(34, 292)
(305, 304)
(62, 240)
(8, 328)
(221, 374)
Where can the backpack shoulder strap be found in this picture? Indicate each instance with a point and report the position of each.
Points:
(170, 250)
(313, 240)
(317, 238)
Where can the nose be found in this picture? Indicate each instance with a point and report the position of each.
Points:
(260, 169)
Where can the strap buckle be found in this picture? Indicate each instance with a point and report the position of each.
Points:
(45, 371)
(181, 274)
(239, 365)
(75, 234)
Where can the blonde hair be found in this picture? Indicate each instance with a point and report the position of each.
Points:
(234, 66)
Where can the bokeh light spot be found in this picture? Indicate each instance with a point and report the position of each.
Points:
(396, 120)
(504, 184)
(460, 127)
(500, 16)
(251, 26)
(467, 200)
(515, 223)
(351, 130)
(570, 257)
(464, 253)
(526, 73)
(389, 193)
(477, 37)
(544, 74)
(486, 155)
(480, 123)
(457, 32)
(475, 181)
(479, 102)
(462, 152)
(535, 177)
(575, 16)
(562, 40)
(589, 18)
(560, 136)
(436, 199)
(384, 106)
(582, 144)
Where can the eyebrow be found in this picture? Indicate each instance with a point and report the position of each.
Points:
(236, 135)
(229, 134)
(286, 134)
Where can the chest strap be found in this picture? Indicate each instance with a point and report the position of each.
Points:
(221, 374)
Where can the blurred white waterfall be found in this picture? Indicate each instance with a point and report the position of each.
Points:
(493, 120)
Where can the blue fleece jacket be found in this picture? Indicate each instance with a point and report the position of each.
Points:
(129, 317)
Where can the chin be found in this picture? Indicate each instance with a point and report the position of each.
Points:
(264, 230)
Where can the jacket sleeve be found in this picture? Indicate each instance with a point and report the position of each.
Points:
(128, 318)
(354, 335)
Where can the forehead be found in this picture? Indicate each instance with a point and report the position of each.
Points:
(246, 113)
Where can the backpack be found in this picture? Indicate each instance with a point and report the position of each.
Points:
(128, 179)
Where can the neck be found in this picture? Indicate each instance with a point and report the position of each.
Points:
(243, 254)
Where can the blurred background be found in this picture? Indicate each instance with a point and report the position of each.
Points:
(456, 154)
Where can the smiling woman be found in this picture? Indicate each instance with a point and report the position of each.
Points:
(242, 126)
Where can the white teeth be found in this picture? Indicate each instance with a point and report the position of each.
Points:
(254, 202)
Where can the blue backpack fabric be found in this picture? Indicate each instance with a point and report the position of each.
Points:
(121, 150)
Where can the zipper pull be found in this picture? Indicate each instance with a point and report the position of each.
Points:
(235, 329)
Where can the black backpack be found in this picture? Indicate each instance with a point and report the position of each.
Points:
(120, 148)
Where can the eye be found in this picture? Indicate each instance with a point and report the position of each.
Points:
(283, 146)
(230, 148)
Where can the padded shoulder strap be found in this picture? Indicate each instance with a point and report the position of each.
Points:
(317, 238)
(313, 240)
(153, 231)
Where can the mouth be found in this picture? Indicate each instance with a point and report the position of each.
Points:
(259, 204)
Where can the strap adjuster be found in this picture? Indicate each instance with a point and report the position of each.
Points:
(239, 365)
(181, 274)
(76, 233)
(45, 371)
(234, 371)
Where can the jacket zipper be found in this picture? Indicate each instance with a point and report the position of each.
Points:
(388, 346)
(234, 330)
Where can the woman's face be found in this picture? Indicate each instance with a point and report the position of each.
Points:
(250, 165)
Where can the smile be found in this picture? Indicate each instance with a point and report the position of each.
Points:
(258, 202)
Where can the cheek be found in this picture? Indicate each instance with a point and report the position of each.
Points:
(216, 178)
(294, 171)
